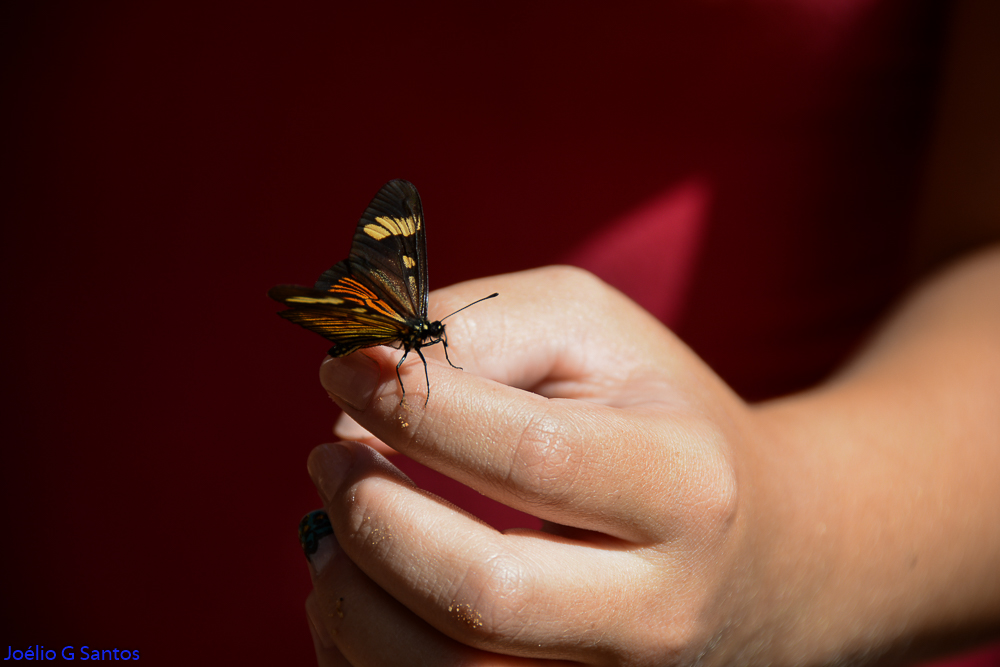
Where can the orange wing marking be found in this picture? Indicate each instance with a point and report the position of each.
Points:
(352, 290)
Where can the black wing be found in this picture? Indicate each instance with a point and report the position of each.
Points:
(389, 252)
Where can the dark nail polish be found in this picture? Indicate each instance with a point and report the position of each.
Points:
(314, 527)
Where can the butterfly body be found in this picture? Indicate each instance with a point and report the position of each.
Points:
(378, 295)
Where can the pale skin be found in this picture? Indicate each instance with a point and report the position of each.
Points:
(857, 518)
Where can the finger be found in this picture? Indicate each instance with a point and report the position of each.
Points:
(593, 344)
(354, 622)
(319, 546)
(325, 656)
(557, 331)
(634, 473)
(347, 429)
(567, 462)
(563, 333)
(467, 581)
(349, 615)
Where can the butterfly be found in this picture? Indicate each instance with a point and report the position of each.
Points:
(378, 295)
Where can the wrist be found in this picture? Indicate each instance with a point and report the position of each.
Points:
(862, 531)
(781, 573)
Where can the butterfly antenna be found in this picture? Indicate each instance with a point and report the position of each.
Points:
(471, 304)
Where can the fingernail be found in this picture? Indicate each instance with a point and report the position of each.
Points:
(317, 539)
(352, 379)
(328, 466)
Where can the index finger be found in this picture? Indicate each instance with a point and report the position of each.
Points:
(549, 327)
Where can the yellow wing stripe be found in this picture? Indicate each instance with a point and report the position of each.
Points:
(389, 226)
(332, 300)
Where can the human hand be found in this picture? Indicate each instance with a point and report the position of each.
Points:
(577, 407)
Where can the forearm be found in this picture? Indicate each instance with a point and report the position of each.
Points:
(877, 495)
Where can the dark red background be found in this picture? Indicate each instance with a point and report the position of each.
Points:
(167, 164)
(170, 163)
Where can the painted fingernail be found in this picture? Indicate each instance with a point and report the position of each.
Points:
(317, 539)
(328, 466)
(352, 379)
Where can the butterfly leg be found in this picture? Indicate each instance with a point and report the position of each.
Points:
(426, 376)
(400, 379)
(444, 341)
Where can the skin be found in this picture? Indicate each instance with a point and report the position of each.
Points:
(854, 520)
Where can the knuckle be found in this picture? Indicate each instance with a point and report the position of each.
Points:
(572, 279)
(565, 274)
(705, 497)
(714, 482)
(490, 604)
(545, 461)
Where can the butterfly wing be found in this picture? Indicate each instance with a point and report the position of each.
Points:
(389, 252)
(339, 316)
(378, 294)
